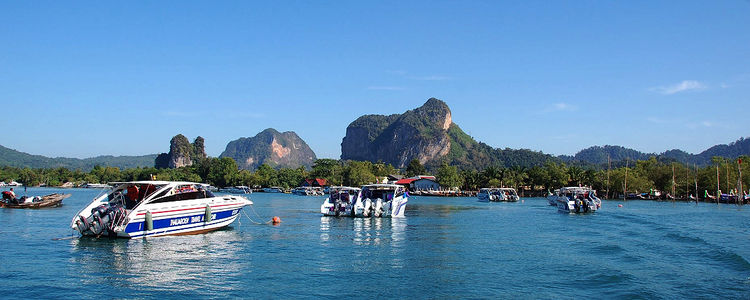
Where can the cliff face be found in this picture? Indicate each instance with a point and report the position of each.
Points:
(420, 133)
(181, 153)
(271, 147)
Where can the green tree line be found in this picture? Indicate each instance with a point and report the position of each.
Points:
(640, 175)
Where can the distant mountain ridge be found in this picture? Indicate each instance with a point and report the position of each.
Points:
(14, 158)
(597, 155)
(277, 149)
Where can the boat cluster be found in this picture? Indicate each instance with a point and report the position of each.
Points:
(308, 191)
(498, 195)
(373, 200)
(239, 189)
(575, 200)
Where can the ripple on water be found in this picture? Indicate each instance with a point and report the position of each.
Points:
(444, 248)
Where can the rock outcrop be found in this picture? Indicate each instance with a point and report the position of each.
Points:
(429, 135)
(270, 147)
(181, 153)
(420, 133)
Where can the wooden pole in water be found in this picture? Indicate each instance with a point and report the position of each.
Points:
(609, 166)
(729, 188)
(740, 194)
(673, 185)
(625, 191)
(687, 183)
(718, 189)
(696, 182)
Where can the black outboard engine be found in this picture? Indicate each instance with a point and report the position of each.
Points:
(103, 219)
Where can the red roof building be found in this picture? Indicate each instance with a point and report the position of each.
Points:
(317, 182)
(406, 181)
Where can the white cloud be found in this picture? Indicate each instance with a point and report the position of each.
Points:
(431, 77)
(685, 85)
(561, 106)
(385, 88)
(396, 72)
(704, 123)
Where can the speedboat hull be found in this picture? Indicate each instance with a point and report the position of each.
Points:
(171, 208)
(377, 208)
(184, 222)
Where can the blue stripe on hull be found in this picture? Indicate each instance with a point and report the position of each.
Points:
(137, 228)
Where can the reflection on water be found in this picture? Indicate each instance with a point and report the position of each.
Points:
(364, 232)
(160, 263)
(443, 247)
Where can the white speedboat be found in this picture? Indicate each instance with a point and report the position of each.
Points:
(155, 208)
(308, 191)
(381, 200)
(95, 186)
(340, 202)
(273, 189)
(576, 200)
(498, 194)
(551, 198)
(240, 189)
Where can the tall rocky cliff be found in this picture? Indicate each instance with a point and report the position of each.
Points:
(270, 147)
(420, 133)
(181, 153)
(428, 134)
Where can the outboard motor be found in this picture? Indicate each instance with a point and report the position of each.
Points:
(82, 224)
(103, 219)
(367, 207)
(377, 207)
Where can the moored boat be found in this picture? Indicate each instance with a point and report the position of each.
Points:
(95, 186)
(381, 200)
(240, 189)
(576, 200)
(340, 201)
(155, 208)
(51, 200)
(273, 189)
(308, 191)
(498, 194)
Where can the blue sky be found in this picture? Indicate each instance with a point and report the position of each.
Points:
(100, 78)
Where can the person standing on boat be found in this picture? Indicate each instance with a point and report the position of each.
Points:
(131, 197)
(10, 196)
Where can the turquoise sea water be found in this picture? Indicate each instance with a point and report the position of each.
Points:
(443, 248)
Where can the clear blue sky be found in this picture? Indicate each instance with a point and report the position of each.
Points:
(92, 78)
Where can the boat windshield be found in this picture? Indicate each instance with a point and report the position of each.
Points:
(131, 194)
(385, 194)
(182, 192)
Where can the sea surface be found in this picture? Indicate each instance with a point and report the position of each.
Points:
(443, 248)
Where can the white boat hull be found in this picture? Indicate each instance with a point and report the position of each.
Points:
(169, 214)
(193, 221)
